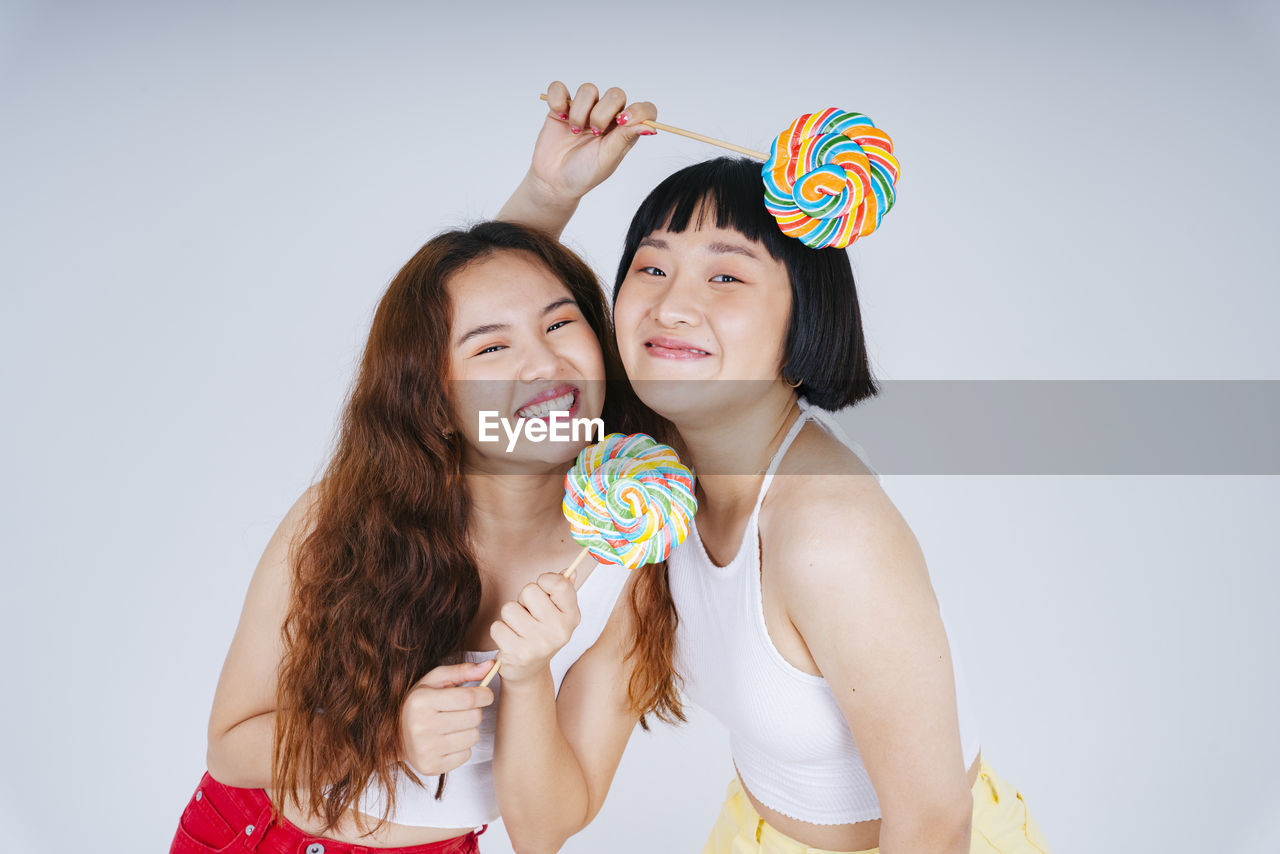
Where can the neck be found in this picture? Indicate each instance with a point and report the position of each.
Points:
(514, 512)
(731, 452)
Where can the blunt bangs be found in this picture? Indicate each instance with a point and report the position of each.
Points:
(730, 187)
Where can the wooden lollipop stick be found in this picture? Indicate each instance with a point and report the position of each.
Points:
(493, 671)
(567, 573)
(758, 155)
(573, 567)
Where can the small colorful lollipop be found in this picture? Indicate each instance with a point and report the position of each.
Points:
(629, 501)
(829, 178)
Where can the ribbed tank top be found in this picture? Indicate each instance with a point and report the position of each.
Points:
(469, 799)
(789, 738)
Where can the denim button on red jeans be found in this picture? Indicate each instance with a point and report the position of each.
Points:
(222, 818)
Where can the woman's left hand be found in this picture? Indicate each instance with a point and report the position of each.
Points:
(536, 626)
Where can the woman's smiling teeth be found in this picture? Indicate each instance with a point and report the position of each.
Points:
(673, 348)
(543, 409)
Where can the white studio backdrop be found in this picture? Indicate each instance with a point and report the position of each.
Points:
(200, 205)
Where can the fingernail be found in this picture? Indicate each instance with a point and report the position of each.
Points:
(575, 130)
(648, 133)
(623, 118)
(563, 115)
(595, 132)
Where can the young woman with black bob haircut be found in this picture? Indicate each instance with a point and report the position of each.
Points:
(422, 552)
(807, 622)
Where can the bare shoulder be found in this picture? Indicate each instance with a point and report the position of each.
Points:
(270, 589)
(827, 523)
(815, 451)
(298, 521)
(246, 686)
(295, 525)
(820, 484)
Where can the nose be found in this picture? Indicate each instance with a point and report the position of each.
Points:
(676, 304)
(540, 361)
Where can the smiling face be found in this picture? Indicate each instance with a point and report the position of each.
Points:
(708, 309)
(519, 346)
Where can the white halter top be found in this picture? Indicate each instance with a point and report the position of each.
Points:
(789, 738)
(469, 799)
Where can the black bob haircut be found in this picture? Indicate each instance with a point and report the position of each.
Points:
(825, 349)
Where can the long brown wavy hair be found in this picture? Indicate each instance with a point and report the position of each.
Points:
(384, 580)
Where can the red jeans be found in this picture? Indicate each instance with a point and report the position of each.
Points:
(224, 818)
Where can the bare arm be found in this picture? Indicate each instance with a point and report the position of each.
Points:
(439, 720)
(242, 723)
(555, 758)
(857, 590)
(566, 165)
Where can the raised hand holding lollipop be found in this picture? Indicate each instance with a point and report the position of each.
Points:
(829, 178)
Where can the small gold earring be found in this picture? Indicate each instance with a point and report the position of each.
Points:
(795, 384)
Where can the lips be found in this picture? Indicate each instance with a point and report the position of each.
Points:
(560, 398)
(673, 348)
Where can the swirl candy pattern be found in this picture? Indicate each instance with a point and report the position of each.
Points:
(629, 500)
(830, 178)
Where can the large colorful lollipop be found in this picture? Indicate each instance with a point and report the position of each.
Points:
(829, 177)
(629, 501)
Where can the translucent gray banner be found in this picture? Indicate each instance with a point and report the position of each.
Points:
(1092, 427)
(966, 427)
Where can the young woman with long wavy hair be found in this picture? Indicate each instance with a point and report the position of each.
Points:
(344, 700)
(807, 622)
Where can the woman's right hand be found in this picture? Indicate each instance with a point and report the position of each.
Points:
(440, 719)
(566, 164)
(585, 137)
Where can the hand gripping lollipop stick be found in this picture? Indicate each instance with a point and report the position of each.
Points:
(629, 501)
(573, 567)
(829, 178)
(758, 155)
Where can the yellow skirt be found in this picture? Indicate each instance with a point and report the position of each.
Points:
(1001, 824)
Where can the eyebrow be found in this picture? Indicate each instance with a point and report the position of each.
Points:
(655, 242)
(486, 328)
(732, 248)
(719, 248)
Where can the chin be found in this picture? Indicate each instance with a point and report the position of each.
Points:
(546, 453)
(562, 460)
(697, 402)
(677, 399)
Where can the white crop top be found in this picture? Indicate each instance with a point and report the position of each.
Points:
(789, 738)
(469, 799)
